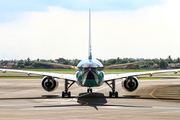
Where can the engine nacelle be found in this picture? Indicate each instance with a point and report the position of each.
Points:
(50, 84)
(129, 84)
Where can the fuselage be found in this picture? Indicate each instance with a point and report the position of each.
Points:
(89, 76)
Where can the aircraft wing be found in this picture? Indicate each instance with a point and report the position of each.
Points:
(109, 77)
(70, 77)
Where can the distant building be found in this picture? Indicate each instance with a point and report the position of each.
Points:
(2, 66)
(28, 67)
(155, 66)
(9, 65)
(171, 65)
(56, 60)
(177, 65)
(121, 67)
(132, 67)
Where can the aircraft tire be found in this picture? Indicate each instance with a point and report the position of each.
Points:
(69, 94)
(110, 94)
(116, 94)
(63, 94)
(90, 90)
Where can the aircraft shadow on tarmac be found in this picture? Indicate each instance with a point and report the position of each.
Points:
(93, 100)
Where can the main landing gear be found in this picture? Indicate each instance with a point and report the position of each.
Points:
(67, 86)
(112, 93)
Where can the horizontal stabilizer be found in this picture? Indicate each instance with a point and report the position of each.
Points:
(118, 65)
(60, 65)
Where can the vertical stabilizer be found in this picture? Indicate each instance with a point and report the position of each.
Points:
(90, 55)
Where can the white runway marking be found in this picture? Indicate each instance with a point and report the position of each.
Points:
(163, 108)
(68, 102)
(110, 107)
(167, 108)
(175, 82)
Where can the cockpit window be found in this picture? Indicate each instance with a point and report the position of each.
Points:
(90, 68)
(93, 68)
(86, 68)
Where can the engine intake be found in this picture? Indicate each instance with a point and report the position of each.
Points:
(129, 84)
(50, 84)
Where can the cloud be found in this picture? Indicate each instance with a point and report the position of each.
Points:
(76, 5)
(150, 32)
(10, 10)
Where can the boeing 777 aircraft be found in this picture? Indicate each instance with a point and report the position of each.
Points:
(89, 73)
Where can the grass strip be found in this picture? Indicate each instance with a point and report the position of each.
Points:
(148, 78)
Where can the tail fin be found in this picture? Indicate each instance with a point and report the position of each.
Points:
(90, 55)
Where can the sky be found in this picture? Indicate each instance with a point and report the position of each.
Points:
(51, 29)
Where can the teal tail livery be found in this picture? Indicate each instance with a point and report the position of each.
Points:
(89, 73)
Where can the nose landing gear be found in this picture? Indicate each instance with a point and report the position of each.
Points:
(89, 90)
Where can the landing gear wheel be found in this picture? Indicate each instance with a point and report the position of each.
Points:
(69, 94)
(89, 90)
(113, 94)
(63, 94)
(110, 94)
(116, 94)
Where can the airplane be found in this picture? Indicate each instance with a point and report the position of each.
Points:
(90, 73)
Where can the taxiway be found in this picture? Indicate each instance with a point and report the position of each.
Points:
(26, 99)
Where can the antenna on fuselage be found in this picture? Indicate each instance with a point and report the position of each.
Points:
(90, 55)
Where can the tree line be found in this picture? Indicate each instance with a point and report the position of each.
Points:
(149, 63)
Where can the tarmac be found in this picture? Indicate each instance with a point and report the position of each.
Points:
(26, 99)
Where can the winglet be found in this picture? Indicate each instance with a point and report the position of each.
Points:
(90, 55)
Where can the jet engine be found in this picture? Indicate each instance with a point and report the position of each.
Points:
(129, 84)
(50, 84)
